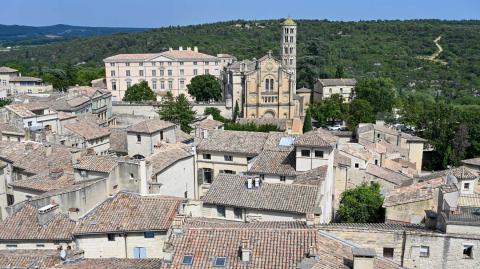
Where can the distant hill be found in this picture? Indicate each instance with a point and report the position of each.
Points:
(395, 49)
(11, 35)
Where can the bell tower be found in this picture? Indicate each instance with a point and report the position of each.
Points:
(288, 50)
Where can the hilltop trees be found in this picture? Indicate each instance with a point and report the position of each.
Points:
(139, 92)
(205, 88)
(378, 91)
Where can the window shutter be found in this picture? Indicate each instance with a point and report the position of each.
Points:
(200, 175)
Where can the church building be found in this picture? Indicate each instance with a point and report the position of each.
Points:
(266, 87)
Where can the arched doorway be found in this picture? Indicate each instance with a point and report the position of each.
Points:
(269, 114)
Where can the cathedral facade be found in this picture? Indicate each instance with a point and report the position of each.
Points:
(266, 87)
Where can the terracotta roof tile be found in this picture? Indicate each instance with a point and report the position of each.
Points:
(209, 124)
(118, 140)
(150, 126)
(389, 175)
(130, 212)
(313, 139)
(87, 130)
(98, 163)
(231, 190)
(24, 225)
(164, 158)
(338, 82)
(28, 258)
(45, 182)
(234, 142)
(113, 263)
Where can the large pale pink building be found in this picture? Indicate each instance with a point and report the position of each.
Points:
(171, 70)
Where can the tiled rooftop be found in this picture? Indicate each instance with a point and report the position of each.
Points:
(217, 223)
(87, 130)
(280, 163)
(338, 82)
(250, 143)
(473, 161)
(231, 190)
(113, 263)
(420, 191)
(28, 258)
(45, 182)
(209, 124)
(150, 126)
(130, 212)
(34, 157)
(389, 175)
(118, 140)
(313, 139)
(24, 225)
(168, 155)
(173, 54)
(5, 69)
(182, 137)
(98, 163)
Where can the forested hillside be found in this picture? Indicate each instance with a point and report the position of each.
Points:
(365, 49)
(16, 35)
(427, 70)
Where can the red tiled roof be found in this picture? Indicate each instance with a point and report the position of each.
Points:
(130, 212)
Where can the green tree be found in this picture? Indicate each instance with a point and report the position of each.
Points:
(205, 88)
(377, 91)
(330, 109)
(178, 110)
(339, 72)
(360, 111)
(362, 204)
(139, 92)
(215, 112)
(236, 112)
(4, 102)
(307, 123)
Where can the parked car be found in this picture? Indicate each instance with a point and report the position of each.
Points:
(335, 127)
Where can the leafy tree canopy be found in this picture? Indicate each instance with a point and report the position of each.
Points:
(215, 112)
(360, 111)
(139, 92)
(205, 88)
(378, 91)
(307, 123)
(178, 110)
(362, 204)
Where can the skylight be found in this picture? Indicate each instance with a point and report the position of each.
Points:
(187, 259)
(220, 261)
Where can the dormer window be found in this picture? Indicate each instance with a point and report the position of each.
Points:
(466, 186)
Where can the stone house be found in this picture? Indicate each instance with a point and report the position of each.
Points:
(32, 115)
(205, 126)
(325, 88)
(247, 199)
(142, 137)
(36, 228)
(86, 135)
(226, 152)
(127, 225)
(408, 147)
(12, 82)
(172, 170)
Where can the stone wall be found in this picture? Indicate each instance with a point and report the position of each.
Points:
(150, 109)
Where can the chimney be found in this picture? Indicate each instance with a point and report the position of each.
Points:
(189, 48)
(257, 182)
(55, 173)
(143, 177)
(363, 258)
(195, 49)
(245, 250)
(48, 150)
(170, 49)
(46, 214)
(312, 251)
(249, 183)
(75, 155)
(177, 224)
(180, 48)
(310, 219)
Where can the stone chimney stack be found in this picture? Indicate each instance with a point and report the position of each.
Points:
(46, 213)
(48, 150)
(180, 48)
(195, 49)
(143, 177)
(189, 48)
(245, 250)
(363, 258)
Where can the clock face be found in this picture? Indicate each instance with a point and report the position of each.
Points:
(269, 66)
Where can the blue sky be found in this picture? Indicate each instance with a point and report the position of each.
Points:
(157, 13)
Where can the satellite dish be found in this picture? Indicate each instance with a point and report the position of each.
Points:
(452, 179)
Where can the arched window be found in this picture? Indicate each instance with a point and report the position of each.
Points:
(291, 50)
(271, 84)
(267, 84)
(286, 50)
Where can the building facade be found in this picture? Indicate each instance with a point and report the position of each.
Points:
(12, 82)
(169, 71)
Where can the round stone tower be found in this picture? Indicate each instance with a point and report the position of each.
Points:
(288, 51)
